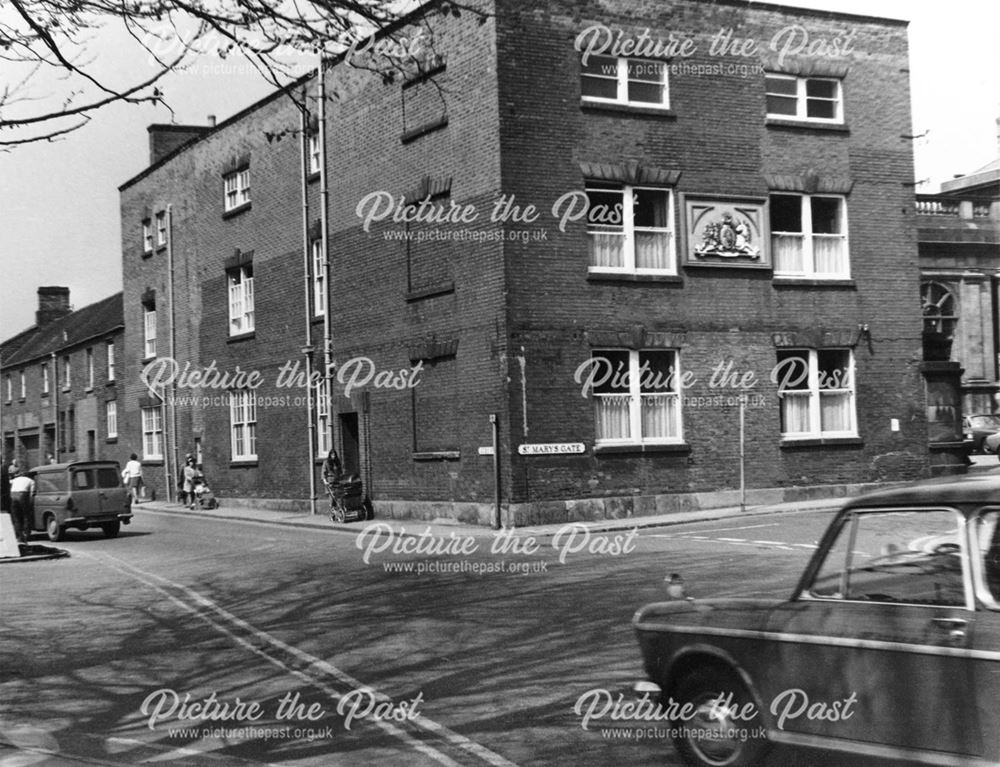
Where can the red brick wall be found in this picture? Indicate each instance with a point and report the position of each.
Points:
(718, 140)
(495, 313)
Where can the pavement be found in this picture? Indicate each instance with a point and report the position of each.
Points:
(446, 527)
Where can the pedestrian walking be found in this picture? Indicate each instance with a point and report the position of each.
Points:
(133, 477)
(190, 478)
(22, 498)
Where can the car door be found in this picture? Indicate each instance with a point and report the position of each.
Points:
(85, 494)
(985, 534)
(876, 650)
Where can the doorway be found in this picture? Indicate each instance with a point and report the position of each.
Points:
(350, 443)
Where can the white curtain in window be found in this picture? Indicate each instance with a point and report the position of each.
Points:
(830, 254)
(607, 249)
(835, 411)
(788, 253)
(659, 416)
(652, 250)
(795, 412)
(613, 420)
(248, 303)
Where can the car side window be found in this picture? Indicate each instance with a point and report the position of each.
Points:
(907, 556)
(82, 480)
(49, 483)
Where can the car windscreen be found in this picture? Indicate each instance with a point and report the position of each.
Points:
(108, 476)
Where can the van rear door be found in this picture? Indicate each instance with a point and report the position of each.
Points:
(113, 495)
(86, 496)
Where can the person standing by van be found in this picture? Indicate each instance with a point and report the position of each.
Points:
(133, 477)
(22, 497)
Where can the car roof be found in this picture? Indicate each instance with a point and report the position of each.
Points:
(967, 492)
(50, 467)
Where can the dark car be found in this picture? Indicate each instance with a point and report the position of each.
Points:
(887, 650)
(81, 495)
(978, 427)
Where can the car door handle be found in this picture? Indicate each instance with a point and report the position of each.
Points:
(955, 626)
(950, 623)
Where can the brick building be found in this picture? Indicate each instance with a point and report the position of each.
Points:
(602, 251)
(60, 386)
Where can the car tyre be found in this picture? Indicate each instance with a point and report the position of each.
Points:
(702, 687)
(53, 529)
(111, 529)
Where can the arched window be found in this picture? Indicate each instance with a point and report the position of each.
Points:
(940, 308)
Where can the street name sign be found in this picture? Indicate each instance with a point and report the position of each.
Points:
(551, 448)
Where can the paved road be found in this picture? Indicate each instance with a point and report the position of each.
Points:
(299, 652)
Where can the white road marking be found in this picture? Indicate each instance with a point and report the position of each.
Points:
(743, 527)
(318, 666)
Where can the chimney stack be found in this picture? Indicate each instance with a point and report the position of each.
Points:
(53, 303)
(164, 139)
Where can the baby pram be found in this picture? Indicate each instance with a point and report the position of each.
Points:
(347, 500)
(204, 496)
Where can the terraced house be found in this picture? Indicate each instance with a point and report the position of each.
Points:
(60, 382)
(599, 226)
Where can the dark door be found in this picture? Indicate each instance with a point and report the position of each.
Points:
(350, 448)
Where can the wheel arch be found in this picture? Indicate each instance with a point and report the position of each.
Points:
(701, 655)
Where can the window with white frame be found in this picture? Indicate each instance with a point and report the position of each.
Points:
(241, 314)
(67, 373)
(809, 236)
(620, 80)
(90, 367)
(110, 348)
(630, 229)
(111, 417)
(152, 433)
(161, 229)
(9, 387)
(236, 187)
(243, 424)
(147, 236)
(816, 99)
(816, 392)
(24, 386)
(636, 395)
(324, 436)
(149, 330)
(314, 155)
(45, 378)
(319, 278)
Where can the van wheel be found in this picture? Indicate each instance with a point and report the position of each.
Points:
(111, 529)
(53, 529)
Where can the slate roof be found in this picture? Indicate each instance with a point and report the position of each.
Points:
(92, 321)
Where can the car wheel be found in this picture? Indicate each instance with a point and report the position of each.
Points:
(111, 529)
(53, 529)
(714, 736)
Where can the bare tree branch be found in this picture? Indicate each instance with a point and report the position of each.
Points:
(54, 39)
